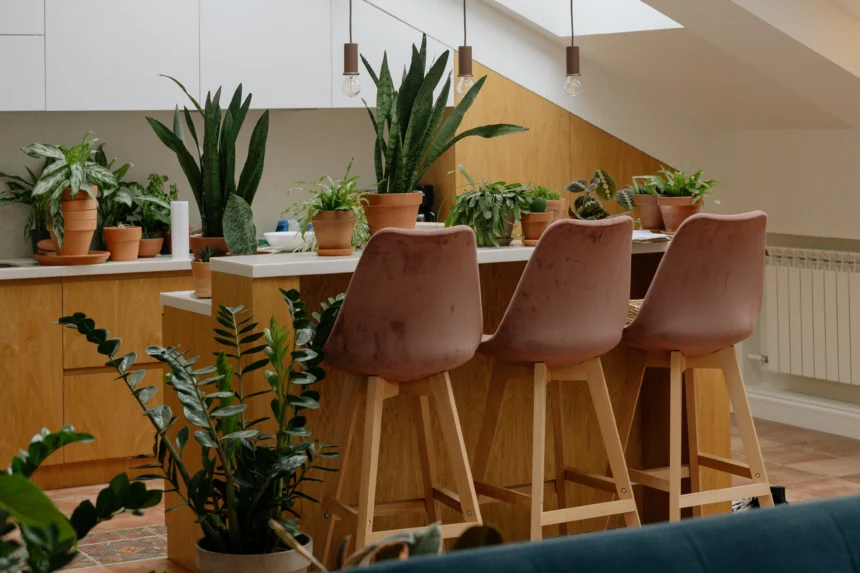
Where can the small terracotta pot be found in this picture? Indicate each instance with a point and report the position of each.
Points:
(281, 562)
(649, 211)
(202, 277)
(199, 242)
(676, 210)
(333, 231)
(150, 247)
(392, 210)
(80, 219)
(534, 224)
(123, 242)
(556, 207)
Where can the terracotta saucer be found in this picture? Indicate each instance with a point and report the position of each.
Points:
(530, 243)
(45, 246)
(54, 260)
(335, 252)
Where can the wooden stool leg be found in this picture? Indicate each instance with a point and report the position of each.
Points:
(443, 394)
(611, 439)
(744, 419)
(421, 415)
(675, 391)
(369, 459)
(490, 421)
(538, 447)
(556, 403)
(693, 436)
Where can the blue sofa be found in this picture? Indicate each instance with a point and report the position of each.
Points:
(809, 537)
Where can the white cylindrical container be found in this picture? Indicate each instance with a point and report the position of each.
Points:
(179, 229)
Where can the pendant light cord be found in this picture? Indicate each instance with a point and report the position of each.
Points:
(350, 21)
(571, 24)
(465, 43)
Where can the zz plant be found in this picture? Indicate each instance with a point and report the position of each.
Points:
(586, 205)
(252, 470)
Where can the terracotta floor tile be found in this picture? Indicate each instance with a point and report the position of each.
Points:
(127, 550)
(118, 534)
(827, 488)
(783, 475)
(833, 467)
(786, 455)
(80, 561)
(852, 477)
(797, 497)
(157, 565)
(838, 446)
(793, 436)
(83, 492)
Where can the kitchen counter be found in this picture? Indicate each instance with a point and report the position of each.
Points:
(186, 300)
(28, 268)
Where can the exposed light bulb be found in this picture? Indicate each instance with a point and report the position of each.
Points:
(573, 86)
(464, 85)
(351, 86)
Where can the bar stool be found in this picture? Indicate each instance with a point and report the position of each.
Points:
(412, 312)
(704, 299)
(569, 309)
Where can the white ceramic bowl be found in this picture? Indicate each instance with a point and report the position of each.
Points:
(287, 241)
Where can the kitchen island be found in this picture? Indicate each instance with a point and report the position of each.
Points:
(255, 283)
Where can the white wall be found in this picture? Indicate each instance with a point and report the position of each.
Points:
(302, 145)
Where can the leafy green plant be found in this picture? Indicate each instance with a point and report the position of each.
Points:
(640, 185)
(72, 168)
(205, 254)
(248, 477)
(489, 209)
(679, 184)
(20, 190)
(544, 192)
(588, 206)
(239, 230)
(49, 537)
(212, 175)
(410, 131)
(154, 213)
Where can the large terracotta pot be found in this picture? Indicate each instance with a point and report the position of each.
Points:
(676, 210)
(201, 274)
(199, 242)
(534, 224)
(649, 211)
(123, 242)
(150, 247)
(80, 216)
(281, 562)
(333, 231)
(394, 210)
(556, 207)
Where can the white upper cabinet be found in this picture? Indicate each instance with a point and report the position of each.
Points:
(376, 32)
(108, 54)
(22, 17)
(22, 67)
(279, 50)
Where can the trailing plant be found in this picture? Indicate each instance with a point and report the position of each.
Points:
(46, 538)
(72, 168)
(588, 206)
(411, 131)
(239, 229)
(154, 214)
(489, 208)
(544, 192)
(20, 190)
(679, 184)
(212, 174)
(248, 477)
(205, 254)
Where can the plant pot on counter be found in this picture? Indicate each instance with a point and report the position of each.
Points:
(392, 210)
(123, 243)
(201, 274)
(505, 240)
(80, 219)
(199, 243)
(556, 207)
(150, 247)
(281, 562)
(676, 210)
(534, 225)
(649, 211)
(333, 231)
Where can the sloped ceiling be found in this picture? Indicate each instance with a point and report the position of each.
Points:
(850, 7)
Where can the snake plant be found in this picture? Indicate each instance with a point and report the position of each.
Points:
(212, 175)
(417, 133)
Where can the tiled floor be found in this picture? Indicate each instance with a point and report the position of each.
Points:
(812, 465)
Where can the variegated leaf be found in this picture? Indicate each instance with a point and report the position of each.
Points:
(578, 186)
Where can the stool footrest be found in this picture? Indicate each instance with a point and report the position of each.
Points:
(449, 530)
(726, 465)
(447, 497)
(504, 494)
(601, 482)
(604, 509)
(349, 513)
(657, 478)
(725, 494)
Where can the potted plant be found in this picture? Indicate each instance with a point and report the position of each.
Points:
(682, 195)
(248, 478)
(116, 208)
(211, 173)
(536, 220)
(200, 272)
(70, 185)
(642, 196)
(412, 132)
(19, 190)
(554, 202)
(154, 214)
(490, 209)
(588, 206)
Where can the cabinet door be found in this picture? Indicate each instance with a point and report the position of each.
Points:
(279, 50)
(22, 67)
(22, 17)
(101, 405)
(108, 54)
(376, 32)
(129, 308)
(31, 351)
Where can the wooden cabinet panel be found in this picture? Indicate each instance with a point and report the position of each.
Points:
(31, 354)
(22, 59)
(128, 307)
(101, 405)
(22, 17)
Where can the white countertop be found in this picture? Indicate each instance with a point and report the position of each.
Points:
(187, 301)
(29, 269)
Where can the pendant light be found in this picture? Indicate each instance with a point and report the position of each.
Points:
(351, 86)
(465, 61)
(573, 85)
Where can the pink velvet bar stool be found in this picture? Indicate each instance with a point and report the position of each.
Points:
(412, 312)
(569, 308)
(704, 299)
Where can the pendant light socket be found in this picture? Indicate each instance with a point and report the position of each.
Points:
(350, 59)
(573, 60)
(464, 54)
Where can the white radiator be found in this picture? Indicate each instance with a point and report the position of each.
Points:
(812, 314)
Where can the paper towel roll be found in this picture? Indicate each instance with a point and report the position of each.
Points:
(179, 229)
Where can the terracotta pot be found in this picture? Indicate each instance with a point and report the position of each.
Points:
(281, 562)
(676, 210)
(80, 216)
(505, 240)
(150, 247)
(392, 210)
(123, 242)
(202, 277)
(333, 231)
(649, 211)
(556, 207)
(534, 224)
(199, 242)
